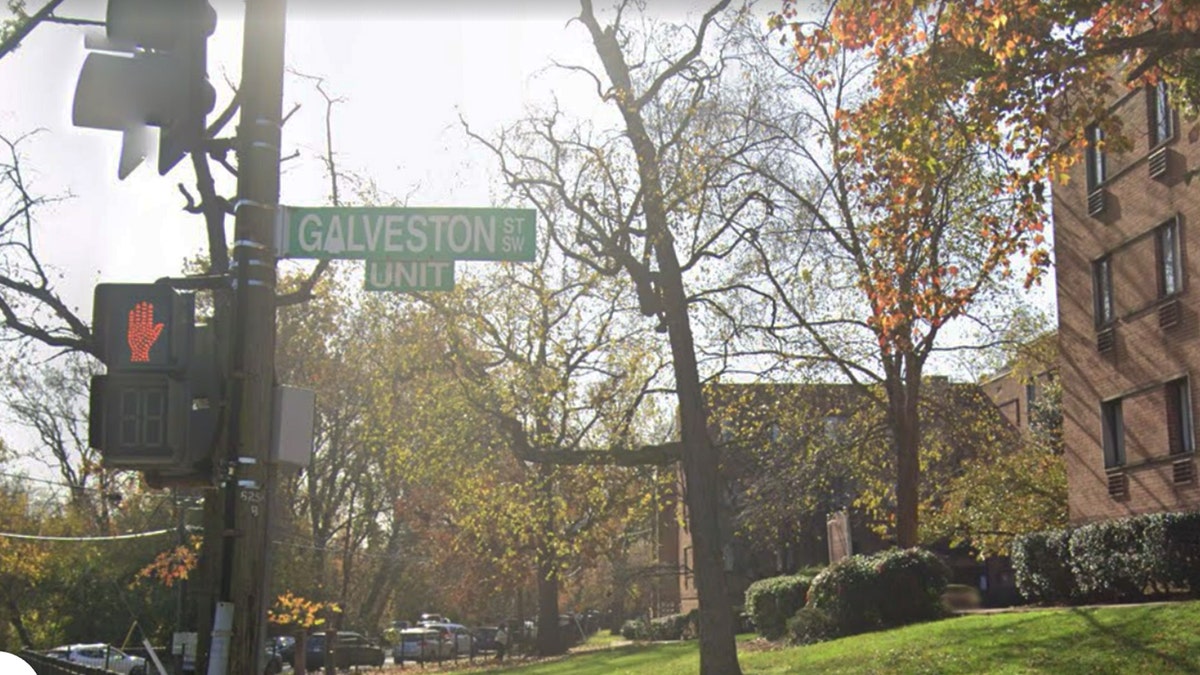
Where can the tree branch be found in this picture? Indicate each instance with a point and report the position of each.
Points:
(25, 28)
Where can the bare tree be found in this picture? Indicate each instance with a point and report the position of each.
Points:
(568, 365)
(50, 401)
(661, 200)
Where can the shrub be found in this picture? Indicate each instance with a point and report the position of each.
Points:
(1173, 541)
(844, 592)
(1109, 562)
(771, 602)
(1112, 560)
(635, 629)
(888, 589)
(811, 625)
(911, 583)
(1042, 567)
(674, 626)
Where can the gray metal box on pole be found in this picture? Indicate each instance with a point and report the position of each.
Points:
(292, 430)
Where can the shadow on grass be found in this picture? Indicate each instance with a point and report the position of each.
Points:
(1044, 639)
(1133, 644)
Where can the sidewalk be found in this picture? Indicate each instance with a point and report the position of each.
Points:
(1038, 608)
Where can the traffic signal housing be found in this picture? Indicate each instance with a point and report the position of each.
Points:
(144, 414)
(150, 71)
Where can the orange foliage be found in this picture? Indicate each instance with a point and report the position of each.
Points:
(172, 565)
(1022, 77)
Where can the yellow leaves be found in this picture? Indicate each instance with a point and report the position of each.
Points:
(22, 560)
(295, 610)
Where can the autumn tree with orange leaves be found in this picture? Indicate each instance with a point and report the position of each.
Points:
(1017, 79)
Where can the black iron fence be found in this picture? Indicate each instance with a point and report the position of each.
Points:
(48, 665)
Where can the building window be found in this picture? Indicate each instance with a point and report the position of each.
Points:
(1102, 291)
(687, 567)
(1180, 433)
(1114, 433)
(835, 428)
(1161, 123)
(1097, 168)
(1166, 240)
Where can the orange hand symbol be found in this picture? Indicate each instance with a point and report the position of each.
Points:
(142, 333)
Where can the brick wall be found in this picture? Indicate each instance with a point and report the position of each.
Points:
(1143, 355)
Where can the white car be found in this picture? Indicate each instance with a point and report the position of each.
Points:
(420, 645)
(457, 636)
(100, 655)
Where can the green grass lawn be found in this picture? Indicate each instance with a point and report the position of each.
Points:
(1135, 639)
(603, 638)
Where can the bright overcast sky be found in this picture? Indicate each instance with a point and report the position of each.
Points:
(405, 77)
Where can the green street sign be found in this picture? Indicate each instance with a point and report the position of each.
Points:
(409, 275)
(399, 233)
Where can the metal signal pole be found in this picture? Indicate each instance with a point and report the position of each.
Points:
(250, 479)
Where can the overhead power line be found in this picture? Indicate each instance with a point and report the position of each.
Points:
(112, 537)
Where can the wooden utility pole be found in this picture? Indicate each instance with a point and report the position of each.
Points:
(250, 491)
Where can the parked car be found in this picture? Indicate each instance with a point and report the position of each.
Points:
(351, 649)
(420, 645)
(99, 655)
(457, 636)
(485, 640)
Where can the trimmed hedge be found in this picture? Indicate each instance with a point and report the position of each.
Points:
(771, 602)
(1174, 539)
(676, 626)
(888, 589)
(1116, 560)
(1042, 567)
(811, 625)
(1109, 562)
(635, 629)
(670, 627)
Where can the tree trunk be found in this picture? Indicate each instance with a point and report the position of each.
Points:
(906, 428)
(549, 642)
(380, 590)
(718, 646)
(300, 656)
(14, 617)
(348, 557)
(616, 596)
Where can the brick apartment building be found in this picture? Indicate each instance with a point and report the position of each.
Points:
(1126, 242)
